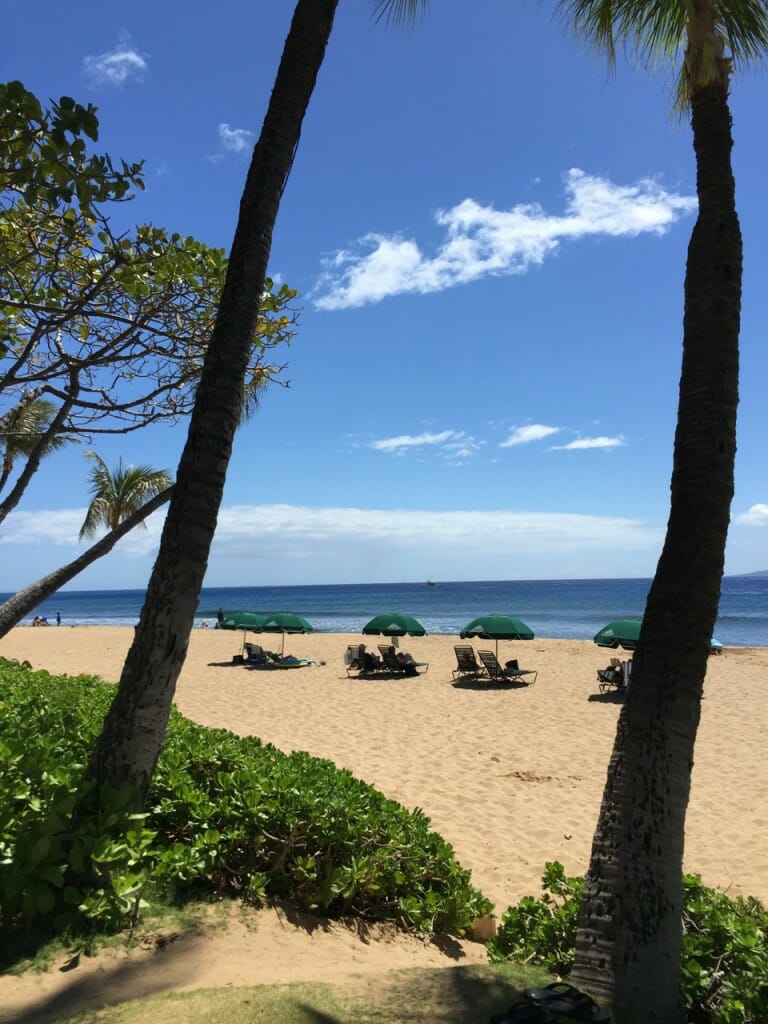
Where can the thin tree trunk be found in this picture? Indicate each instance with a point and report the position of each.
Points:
(15, 608)
(628, 944)
(134, 730)
(15, 495)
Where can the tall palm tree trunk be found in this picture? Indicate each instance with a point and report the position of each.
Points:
(15, 608)
(134, 730)
(629, 939)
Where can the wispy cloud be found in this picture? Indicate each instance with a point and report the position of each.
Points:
(455, 444)
(282, 536)
(482, 241)
(57, 526)
(527, 434)
(588, 443)
(757, 515)
(116, 66)
(236, 140)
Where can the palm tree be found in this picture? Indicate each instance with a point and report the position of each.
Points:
(120, 493)
(15, 608)
(127, 750)
(22, 429)
(628, 944)
(134, 729)
(122, 500)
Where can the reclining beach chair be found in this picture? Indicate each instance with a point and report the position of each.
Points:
(510, 672)
(615, 677)
(467, 664)
(391, 662)
(353, 658)
(256, 655)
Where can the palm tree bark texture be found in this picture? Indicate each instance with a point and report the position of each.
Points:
(134, 729)
(629, 939)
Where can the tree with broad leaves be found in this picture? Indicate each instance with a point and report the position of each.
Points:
(629, 938)
(109, 331)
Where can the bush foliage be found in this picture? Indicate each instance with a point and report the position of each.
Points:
(225, 815)
(724, 954)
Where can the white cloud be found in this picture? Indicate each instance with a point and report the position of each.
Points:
(531, 432)
(60, 528)
(235, 140)
(453, 444)
(305, 544)
(116, 66)
(481, 240)
(757, 515)
(587, 443)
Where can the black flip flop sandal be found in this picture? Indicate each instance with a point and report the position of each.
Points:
(565, 1001)
(524, 1012)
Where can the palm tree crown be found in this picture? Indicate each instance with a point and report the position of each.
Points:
(23, 430)
(661, 30)
(118, 494)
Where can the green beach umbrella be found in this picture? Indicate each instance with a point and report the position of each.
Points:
(621, 633)
(626, 632)
(242, 620)
(284, 622)
(394, 624)
(497, 627)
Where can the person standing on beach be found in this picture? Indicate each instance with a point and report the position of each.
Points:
(220, 617)
(58, 618)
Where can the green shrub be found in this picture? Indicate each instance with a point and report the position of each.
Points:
(225, 815)
(724, 952)
(542, 931)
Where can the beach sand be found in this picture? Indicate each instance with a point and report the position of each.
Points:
(511, 776)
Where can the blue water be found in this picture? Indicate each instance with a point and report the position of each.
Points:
(552, 608)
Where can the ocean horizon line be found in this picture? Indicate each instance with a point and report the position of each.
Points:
(560, 608)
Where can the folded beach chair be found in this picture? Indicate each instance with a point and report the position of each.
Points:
(466, 663)
(511, 671)
(407, 667)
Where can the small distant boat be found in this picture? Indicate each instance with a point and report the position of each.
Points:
(430, 583)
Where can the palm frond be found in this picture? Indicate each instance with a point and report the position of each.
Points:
(656, 31)
(118, 494)
(26, 426)
(395, 12)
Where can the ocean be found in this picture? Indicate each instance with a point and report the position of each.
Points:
(566, 609)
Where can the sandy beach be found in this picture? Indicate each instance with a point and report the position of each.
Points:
(510, 776)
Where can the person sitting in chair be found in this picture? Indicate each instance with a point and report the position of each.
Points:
(407, 662)
(370, 662)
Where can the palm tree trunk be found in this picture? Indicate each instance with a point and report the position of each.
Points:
(15, 608)
(134, 730)
(628, 944)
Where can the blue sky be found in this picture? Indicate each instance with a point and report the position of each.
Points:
(488, 236)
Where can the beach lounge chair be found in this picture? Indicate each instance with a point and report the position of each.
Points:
(353, 658)
(510, 672)
(407, 667)
(615, 677)
(256, 655)
(467, 664)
